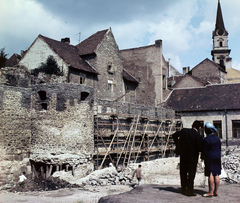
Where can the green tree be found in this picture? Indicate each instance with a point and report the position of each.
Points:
(3, 57)
(49, 67)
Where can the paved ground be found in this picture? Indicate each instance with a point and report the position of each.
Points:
(155, 193)
(161, 193)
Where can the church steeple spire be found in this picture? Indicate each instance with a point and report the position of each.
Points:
(220, 52)
(219, 20)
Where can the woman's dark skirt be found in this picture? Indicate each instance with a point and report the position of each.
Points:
(212, 166)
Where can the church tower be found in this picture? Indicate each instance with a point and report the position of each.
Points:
(220, 52)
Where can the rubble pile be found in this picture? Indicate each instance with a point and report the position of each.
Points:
(40, 184)
(231, 164)
(110, 178)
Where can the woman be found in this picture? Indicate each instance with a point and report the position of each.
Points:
(212, 159)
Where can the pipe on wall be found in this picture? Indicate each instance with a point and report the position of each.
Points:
(226, 128)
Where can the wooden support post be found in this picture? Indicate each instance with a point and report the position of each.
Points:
(67, 167)
(57, 167)
(42, 171)
(33, 171)
(47, 171)
(50, 170)
(73, 170)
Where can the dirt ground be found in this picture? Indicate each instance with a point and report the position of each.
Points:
(91, 194)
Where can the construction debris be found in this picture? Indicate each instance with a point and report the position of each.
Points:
(40, 184)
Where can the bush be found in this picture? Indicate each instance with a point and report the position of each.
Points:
(49, 67)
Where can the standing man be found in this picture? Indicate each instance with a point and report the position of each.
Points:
(138, 173)
(188, 143)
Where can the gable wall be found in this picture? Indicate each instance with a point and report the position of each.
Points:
(106, 54)
(38, 53)
(208, 72)
(188, 82)
(145, 65)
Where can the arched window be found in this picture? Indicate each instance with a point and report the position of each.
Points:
(220, 43)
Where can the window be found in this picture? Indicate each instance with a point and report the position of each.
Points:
(236, 128)
(127, 89)
(221, 62)
(110, 85)
(42, 95)
(218, 125)
(110, 68)
(82, 78)
(84, 95)
(220, 44)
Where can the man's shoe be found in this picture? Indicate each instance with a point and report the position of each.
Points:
(192, 195)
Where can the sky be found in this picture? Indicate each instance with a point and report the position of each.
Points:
(184, 26)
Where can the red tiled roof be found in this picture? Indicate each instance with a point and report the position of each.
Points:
(69, 54)
(89, 45)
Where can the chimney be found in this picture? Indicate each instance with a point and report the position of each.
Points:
(66, 40)
(188, 68)
(158, 43)
(184, 70)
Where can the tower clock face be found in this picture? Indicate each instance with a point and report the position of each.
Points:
(220, 31)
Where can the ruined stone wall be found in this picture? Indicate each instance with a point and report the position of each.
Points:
(64, 127)
(49, 124)
(15, 131)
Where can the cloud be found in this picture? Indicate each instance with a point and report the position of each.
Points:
(34, 20)
(236, 65)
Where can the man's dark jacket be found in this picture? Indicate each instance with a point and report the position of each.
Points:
(188, 144)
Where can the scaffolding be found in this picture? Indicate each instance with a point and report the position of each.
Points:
(126, 134)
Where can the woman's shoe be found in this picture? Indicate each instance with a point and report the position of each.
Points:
(207, 195)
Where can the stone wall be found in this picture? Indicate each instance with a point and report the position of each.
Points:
(108, 57)
(64, 125)
(145, 64)
(48, 124)
(15, 131)
(207, 71)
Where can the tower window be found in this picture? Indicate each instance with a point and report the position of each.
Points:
(220, 44)
(221, 62)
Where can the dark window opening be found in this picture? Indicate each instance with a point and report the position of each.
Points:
(218, 125)
(84, 95)
(42, 95)
(220, 44)
(221, 62)
(82, 80)
(44, 106)
(236, 128)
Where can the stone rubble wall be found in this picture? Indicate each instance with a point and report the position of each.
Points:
(231, 164)
(56, 129)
